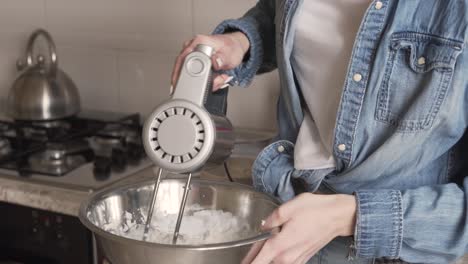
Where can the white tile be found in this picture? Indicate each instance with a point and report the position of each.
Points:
(95, 74)
(209, 13)
(18, 18)
(21, 16)
(255, 106)
(144, 80)
(123, 24)
(9, 52)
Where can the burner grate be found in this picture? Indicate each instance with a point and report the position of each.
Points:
(58, 147)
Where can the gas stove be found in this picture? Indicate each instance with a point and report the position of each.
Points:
(86, 152)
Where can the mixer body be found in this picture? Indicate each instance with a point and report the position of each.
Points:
(224, 141)
(181, 136)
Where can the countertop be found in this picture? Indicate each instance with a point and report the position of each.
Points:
(41, 196)
(50, 198)
(68, 201)
(57, 199)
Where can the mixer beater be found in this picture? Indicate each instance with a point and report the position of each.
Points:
(189, 130)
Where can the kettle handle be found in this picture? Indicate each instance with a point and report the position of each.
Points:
(52, 50)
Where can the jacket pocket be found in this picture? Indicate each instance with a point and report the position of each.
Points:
(272, 170)
(418, 72)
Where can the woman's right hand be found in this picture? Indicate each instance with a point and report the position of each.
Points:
(229, 51)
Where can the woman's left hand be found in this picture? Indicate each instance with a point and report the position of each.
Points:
(308, 223)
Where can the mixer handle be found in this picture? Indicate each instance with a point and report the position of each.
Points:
(216, 102)
(195, 82)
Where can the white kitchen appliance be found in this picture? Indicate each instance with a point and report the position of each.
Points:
(181, 136)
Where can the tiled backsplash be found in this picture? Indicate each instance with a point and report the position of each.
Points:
(120, 52)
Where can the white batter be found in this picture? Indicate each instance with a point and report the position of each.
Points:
(199, 227)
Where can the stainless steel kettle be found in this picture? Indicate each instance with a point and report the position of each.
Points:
(191, 129)
(42, 91)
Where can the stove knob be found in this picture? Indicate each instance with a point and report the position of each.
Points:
(38, 235)
(21, 164)
(134, 153)
(102, 168)
(88, 155)
(119, 160)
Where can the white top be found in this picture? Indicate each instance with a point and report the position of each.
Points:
(323, 42)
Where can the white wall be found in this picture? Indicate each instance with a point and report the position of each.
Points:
(120, 52)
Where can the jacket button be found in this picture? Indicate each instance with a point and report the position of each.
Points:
(357, 77)
(342, 147)
(422, 61)
(378, 5)
(280, 149)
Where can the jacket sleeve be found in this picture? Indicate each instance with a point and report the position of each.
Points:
(423, 225)
(259, 27)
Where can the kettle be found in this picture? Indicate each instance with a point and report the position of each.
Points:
(42, 92)
(191, 129)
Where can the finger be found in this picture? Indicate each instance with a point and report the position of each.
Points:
(176, 68)
(219, 62)
(302, 259)
(221, 82)
(292, 254)
(217, 83)
(277, 245)
(282, 214)
(189, 46)
(171, 90)
(268, 251)
(187, 43)
(178, 64)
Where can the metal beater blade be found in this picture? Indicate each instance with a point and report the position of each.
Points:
(182, 208)
(153, 203)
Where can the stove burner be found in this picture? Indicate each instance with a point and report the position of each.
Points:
(121, 144)
(109, 141)
(4, 127)
(62, 124)
(58, 159)
(114, 134)
(5, 147)
(6, 130)
(44, 130)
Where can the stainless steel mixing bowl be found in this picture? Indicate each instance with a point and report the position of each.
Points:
(109, 206)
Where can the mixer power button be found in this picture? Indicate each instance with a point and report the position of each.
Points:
(195, 66)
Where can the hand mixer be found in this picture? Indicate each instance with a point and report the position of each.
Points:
(184, 133)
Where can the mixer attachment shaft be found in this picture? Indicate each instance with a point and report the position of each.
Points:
(153, 203)
(182, 208)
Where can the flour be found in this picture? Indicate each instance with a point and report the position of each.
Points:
(199, 226)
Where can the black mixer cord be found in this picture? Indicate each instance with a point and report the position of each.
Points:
(227, 172)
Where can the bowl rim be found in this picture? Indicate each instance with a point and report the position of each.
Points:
(106, 192)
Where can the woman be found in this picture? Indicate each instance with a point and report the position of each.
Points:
(371, 119)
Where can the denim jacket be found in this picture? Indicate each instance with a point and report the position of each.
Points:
(399, 130)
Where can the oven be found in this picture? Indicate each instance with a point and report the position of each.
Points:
(32, 236)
